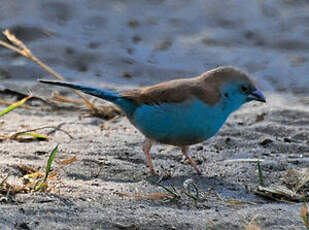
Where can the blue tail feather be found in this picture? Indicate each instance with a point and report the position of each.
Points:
(127, 105)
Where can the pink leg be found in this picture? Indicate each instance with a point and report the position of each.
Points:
(146, 148)
(184, 150)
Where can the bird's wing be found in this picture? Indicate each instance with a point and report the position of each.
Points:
(166, 92)
(175, 91)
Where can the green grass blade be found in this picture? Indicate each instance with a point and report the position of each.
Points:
(35, 135)
(50, 161)
(261, 177)
(14, 105)
(39, 187)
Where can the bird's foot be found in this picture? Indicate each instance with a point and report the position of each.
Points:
(184, 150)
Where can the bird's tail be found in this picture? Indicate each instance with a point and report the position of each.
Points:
(105, 94)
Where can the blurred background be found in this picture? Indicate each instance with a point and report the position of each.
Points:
(136, 43)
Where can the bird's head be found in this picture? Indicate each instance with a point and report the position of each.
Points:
(232, 87)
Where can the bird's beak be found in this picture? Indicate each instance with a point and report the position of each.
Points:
(256, 95)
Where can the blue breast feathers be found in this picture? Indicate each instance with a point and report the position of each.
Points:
(183, 123)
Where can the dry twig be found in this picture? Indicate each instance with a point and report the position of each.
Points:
(19, 47)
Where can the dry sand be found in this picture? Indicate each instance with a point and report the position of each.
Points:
(116, 45)
(87, 197)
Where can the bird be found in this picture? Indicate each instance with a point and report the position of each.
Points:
(180, 112)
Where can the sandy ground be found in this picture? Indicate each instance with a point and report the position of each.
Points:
(116, 45)
(87, 197)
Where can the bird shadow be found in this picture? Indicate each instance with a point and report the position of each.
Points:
(204, 184)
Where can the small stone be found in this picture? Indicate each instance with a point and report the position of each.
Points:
(287, 139)
(266, 141)
(260, 117)
(199, 148)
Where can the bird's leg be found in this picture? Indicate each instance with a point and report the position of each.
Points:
(184, 150)
(146, 148)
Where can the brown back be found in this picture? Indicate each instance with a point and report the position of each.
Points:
(205, 87)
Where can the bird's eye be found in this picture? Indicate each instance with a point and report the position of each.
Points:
(244, 89)
(226, 95)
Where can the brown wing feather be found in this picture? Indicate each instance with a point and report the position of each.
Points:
(166, 92)
(205, 87)
(175, 91)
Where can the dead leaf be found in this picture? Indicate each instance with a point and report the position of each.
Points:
(153, 196)
(137, 196)
(251, 227)
(66, 161)
(304, 214)
(53, 175)
(260, 117)
(239, 202)
(26, 169)
(157, 196)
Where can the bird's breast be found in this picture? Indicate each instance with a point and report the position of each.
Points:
(182, 123)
